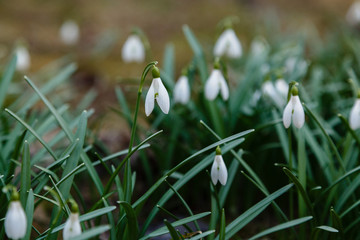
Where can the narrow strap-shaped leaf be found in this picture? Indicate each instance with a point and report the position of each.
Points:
(251, 213)
(133, 227)
(302, 191)
(336, 220)
(95, 231)
(25, 174)
(7, 77)
(174, 235)
(164, 230)
(282, 226)
(222, 225)
(29, 210)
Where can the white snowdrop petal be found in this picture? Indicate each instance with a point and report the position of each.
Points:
(353, 14)
(214, 172)
(354, 119)
(298, 115)
(223, 174)
(69, 32)
(287, 114)
(182, 90)
(23, 59)
(224, 89)
(150, 100)
(72, 226)
(212, 85)
(133, 50)
(234, 49)
(282, 87)
(220, 45)
(162, 97)
(15, 221)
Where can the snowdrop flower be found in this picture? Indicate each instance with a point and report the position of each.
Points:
(157, 91)
(72, 226)
(282, 87)
(218, 169)
(182, 90)
(216, 83)
(353, 14)
(69, 32)
(354, 119)
(15, 219)
(228, 45)
(294, 110)
(258, 47)
(23, 58)
(133, 50)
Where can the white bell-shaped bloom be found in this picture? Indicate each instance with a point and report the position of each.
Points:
(259, 47)
(23, 58)
(157, 91)
(218, 170)
(228, 45)
(69, 32)
(354, 119)
(282, 87)
(216, 83)
(353, 14)
(15, 221)
(72, 226)
(182, 90)
(133, 50)
(294, 111)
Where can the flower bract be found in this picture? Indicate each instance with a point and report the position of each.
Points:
(15, 221)
(228, 45)
(216, 83)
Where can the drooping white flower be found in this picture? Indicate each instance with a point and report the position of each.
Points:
(69, 32)
(228, 45)
(282, 87)
(216, 83)
(133, 49)
(157, 91)
(294, 111)
(353, 14)
(72, 226)
(23, 58)
(354, 119)
(259, 47)
(15, 221)
(182, 90)
(218, 169)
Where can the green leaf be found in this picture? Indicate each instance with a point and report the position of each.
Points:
(95, 231)
(282, 226)
(25, 174)
(6, 79)
(174, 235)
(251, 213)
(164, 230)
(133, 228)
(29, 211)
(300, 189)
(222, 225)
(328, 229)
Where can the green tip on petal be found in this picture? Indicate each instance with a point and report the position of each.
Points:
(155, 72)
(218, 150)
(294, 91)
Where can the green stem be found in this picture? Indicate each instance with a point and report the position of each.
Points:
(291, 193)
